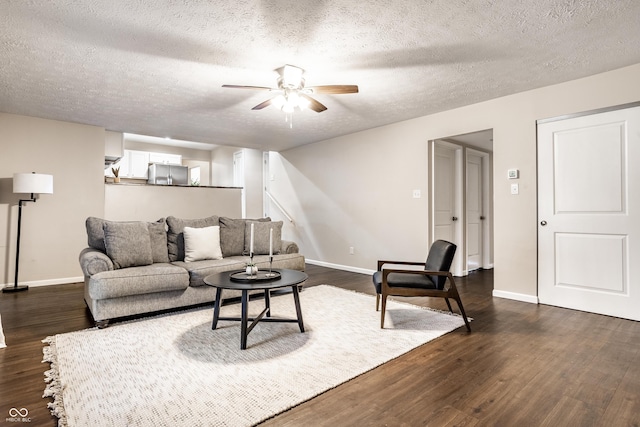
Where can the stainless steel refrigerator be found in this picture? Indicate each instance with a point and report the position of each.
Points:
(161, 174)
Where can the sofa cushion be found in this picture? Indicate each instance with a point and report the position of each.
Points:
(232, 235)
(202, 243)
(137, 280)
(157, 233)
(175, 235)
(128, 244)
(261, 237)
(198, 270)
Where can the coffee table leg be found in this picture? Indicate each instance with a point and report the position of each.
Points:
(296, 298)
(244, 320)
(267, 301)
(216, 308)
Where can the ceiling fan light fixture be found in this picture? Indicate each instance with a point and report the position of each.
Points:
(292, 77)
(288, 107)
(278, 102)
(303, 103)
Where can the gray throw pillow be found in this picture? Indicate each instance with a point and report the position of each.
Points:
(95, 233)
(175, 235)
(128, 243)
(232, 235)
(157, 233)
(261, 232)
(158, 236)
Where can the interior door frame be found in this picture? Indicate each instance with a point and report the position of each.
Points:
(458, 268)
(487, 206)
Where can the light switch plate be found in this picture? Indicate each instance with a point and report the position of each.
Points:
(515, 189)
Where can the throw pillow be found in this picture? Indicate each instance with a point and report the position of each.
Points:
(157, 233)
(261, 231)
(158, 236)
(232, 235)
(202, 243)
(175, 235)
(95, 233)
(128, 243)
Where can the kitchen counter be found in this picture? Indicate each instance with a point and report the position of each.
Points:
(142, 183)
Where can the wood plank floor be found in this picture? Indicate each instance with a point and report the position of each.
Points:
(522, 364)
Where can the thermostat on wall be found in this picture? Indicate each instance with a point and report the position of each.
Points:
(513, 173)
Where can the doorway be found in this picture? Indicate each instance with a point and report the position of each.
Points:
(461, 202)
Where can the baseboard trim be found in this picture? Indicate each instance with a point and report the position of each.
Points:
(340, 267)
(49, 282)
(532, 299)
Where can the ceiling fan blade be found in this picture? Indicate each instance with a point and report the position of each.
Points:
(247, 87)
(314, 105)
(263, 104)
(334, 89)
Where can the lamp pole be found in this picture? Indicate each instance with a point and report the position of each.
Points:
(15, 287)
(27, 183)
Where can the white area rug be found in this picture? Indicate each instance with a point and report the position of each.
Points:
(173, 370)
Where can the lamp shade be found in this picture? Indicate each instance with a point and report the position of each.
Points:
(32, 183)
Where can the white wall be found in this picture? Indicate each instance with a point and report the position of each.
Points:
(53, 231)
(355, 190)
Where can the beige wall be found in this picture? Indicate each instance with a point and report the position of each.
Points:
(222, 175)
(253, 183)
(150, 203)
(53, 231)
(355, 190)
(222, 166)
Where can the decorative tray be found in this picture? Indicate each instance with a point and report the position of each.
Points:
(260, 276)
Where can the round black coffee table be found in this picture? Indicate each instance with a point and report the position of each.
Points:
(288, 278)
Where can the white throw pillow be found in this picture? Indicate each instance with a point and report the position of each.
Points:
(202, 243)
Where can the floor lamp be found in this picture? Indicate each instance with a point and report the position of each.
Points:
(33, 183)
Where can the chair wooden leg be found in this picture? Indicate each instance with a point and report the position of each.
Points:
(449, 305)
(377, 302)
(464, 315)
(384, 308)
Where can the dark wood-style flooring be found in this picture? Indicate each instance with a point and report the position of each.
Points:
(522, 364)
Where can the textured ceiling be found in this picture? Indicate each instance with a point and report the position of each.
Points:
(157, 67)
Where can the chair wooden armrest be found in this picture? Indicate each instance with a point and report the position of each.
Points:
(383, 262)
(386, 272)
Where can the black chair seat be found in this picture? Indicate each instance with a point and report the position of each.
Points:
(403, 280)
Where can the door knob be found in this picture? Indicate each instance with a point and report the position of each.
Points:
(455, 218)
(482, 218)
(543, 223)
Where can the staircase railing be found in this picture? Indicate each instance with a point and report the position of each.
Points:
(279, 206)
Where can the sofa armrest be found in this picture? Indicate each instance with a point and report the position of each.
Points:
(289, 247)
(93, 261)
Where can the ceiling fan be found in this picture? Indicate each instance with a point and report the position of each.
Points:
(293, 93)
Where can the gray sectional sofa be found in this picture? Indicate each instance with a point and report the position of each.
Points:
(139, 267)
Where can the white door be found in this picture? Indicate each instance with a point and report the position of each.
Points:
(589, 213)
(447, 200)
(475, 215)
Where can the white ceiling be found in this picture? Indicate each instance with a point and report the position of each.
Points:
(157, 67)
